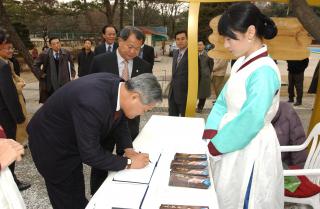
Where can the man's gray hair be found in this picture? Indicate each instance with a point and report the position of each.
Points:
(147, 86)
(127, 31)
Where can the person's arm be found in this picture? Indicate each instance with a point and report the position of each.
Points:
(152, 56)
(218, 111)
(10, 151)
(36, 69)
(94, 65)
(79, 63)
(261, 87)
(10, 95)
(72, 70)
(88, 123)
(122, 134)
(210, 64)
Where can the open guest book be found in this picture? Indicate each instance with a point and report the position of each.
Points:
(163, 206)
(140, 176)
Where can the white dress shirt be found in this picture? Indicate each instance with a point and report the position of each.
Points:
(107, 46)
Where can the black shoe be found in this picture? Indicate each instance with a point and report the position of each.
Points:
(198, 110)
(297, 104)
(22, 185)
(290, 101)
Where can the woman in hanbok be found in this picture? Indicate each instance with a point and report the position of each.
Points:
(247, 168)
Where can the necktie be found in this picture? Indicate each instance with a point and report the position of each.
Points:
(179, 57)
(109, 48)
(57, 56)
(125, 72)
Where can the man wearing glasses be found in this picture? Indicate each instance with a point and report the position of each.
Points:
(125, 63)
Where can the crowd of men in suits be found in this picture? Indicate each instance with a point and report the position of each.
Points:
(85, 120)
(80, 121)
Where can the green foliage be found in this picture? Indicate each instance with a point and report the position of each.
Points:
(276, 10)
(23, 32)
(207, 12)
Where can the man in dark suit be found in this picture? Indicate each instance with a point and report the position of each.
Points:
(179, 83)
(126, 64)
(109, 34)
(11, 112)
(53, 68)
(147, 53)
(69, 128)
(296, 70)
(85, 58)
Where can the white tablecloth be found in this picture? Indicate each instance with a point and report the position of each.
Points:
(166, 135)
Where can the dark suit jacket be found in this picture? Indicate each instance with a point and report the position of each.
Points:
(42, 70)
(84, 62)
(148, 54)
(16, 65)
(100, 49)
(297, 66)
(10, 108)
(66, 131)
(179, 82)
(107, 62)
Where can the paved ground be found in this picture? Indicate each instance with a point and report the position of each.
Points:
(36, 197)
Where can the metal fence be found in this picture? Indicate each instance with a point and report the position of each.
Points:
(67, 35)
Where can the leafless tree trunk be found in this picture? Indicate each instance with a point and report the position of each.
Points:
(110, 10)
(88, 16)
(307, 17)
(121, 13)
(14, 37)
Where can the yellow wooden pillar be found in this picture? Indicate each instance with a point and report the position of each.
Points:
(315, 117)
(194, 6)
(192, 58)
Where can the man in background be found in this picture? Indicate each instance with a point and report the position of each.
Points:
(296, 70)
(53, 68)
(85, 58)
(11, 112)
(206, 65)
(218, 74)
(179, 83)
(147, 53)
(109, 34)
(125, 63)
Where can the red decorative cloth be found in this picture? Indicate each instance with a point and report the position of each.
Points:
(306, 188)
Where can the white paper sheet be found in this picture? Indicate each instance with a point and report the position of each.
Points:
(131, 193)
(142, 176)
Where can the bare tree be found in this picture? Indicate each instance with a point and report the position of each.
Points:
(110, 10)
(145, 11)
(14, 37)
(121, 13)
(174, 10)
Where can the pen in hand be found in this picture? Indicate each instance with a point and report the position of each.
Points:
(149, 159)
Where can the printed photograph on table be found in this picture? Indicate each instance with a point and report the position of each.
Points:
(190, 171)
(189, 164)
(192, 181)
(194, 157)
